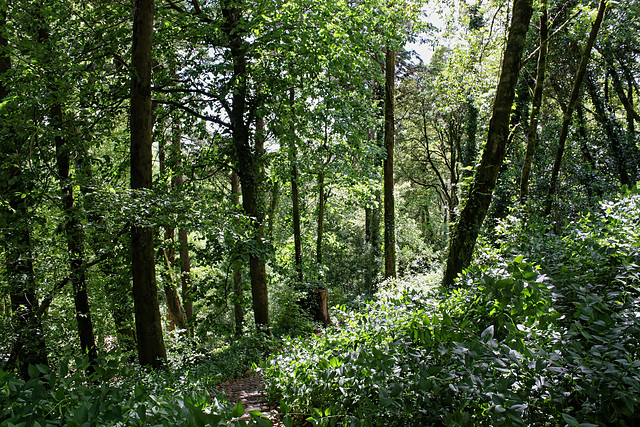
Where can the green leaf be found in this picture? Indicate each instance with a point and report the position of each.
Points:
(141, 410)
(238, 410)
(570, 420)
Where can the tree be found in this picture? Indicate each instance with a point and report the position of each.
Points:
(29, 346)
(568, 109)
(532, 133)
(248, 157)
(389, 139)
(151, 350)
(473, 212)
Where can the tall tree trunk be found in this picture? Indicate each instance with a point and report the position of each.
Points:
(466, 230)
(29, 344)
(295, 196)
(238, 289)
(568, 112)
(532, 134)
(248, 159)
(389, 137)
(151, 349)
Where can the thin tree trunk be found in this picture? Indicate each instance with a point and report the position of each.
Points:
(151, 349)
(29, 344)
(176, 317)
(630, 161)
(72, 224)
(295, 197)
(532, 134)
(183, 241)
(472, 215)
(116, 287)
(374, 253)
(273, 206)
(573, 99)
(185, 279)
(389, 137)
(75, 243)
(175, 313)
(237, 274)
(320, 229)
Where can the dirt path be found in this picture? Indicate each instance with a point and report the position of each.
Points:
(249, 391)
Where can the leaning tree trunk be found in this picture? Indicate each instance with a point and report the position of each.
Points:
(29, 344)
(389, 136)
(568, 112)
(532, 133)
(151, 350)
(466, 230)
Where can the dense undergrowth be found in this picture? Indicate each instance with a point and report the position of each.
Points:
(543, 330)
(119, 393)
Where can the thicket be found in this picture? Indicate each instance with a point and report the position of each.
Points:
(120, 393)
(541, 330)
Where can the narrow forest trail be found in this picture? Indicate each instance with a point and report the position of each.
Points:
(249, 390)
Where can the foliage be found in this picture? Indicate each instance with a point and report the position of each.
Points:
(521, 343)
(120, 393)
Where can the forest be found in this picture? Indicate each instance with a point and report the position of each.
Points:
(385, 212)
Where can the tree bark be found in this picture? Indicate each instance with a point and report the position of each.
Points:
(389, 139)
(532, 133)
(472, 215)
(568, 112)
(151, 349)
(248, 159)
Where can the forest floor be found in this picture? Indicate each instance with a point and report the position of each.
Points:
(249, 390)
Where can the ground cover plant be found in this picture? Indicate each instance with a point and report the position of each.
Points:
(546, 337)
(120, 393)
